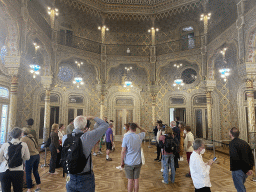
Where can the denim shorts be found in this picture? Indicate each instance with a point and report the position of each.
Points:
(132, 171)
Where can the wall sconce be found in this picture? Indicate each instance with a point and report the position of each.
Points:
(208, 16)
(223, 51)
(128, 51)
(104, 26)
(79, 63)
(34, 70)
(152, 28)
(55, 11)
(177, 65)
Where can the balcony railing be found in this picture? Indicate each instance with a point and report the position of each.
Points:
(134, 50)
(79, 43)
(179, 45)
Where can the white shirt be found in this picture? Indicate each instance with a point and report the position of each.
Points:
(127, 133)
(158, 135)
(189, 137)
(200, 171)
(4, 155)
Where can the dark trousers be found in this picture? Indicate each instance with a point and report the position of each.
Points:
(32, 164)
(204, 189)
(53, 158)
(12, 177)
(158, 151)
(58, 164)
(188, 158)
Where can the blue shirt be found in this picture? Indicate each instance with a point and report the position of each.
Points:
(132, 142)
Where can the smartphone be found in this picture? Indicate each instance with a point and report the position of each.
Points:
(214, 159)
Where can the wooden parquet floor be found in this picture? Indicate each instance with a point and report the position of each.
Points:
(110, 179)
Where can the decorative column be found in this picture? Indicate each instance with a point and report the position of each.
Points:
(153, 91)
(101, 88)
(240, 27)
(12, 63)
(204, 17)
(152, 58)
(251, 112)
(46, 82)
(210, 85)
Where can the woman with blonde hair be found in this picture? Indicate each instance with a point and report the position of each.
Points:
(54, 147)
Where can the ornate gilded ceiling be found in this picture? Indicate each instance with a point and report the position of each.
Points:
(134, 9)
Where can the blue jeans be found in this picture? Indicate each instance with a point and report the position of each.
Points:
(239, 178)
(81, 183)
(168, 161)
(30, 164)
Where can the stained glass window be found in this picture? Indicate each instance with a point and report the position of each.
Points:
(65, 74)
(3, 53)
(189, 76)
(3, 122)
(4, 92)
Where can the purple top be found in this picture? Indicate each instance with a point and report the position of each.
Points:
(108, 133)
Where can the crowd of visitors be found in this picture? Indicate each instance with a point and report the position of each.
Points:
(72, 149)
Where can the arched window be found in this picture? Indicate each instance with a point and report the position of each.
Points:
(4, 105)
(187, 36)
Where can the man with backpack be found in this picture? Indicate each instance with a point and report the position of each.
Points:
(76, 154)
(169, 146)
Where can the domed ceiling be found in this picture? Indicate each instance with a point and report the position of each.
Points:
(144, 8)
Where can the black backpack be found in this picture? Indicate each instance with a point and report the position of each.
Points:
(15, 157)
(73, 159)
(48, 142)
(170, 145)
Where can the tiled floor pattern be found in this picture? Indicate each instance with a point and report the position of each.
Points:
(110, 179)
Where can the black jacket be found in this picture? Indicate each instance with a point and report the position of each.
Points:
(241, 157)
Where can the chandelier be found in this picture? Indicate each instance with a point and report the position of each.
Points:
(34, 68)
(224, 73)
(178, 83)
(78, 81)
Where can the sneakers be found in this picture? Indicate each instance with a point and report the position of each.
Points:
(181, 159)
(119, 167)
(156, 159)
(38, 189)
(164, 182)
(100, 153)
(109, 159)
(95, 154)
(162, 170)
(159, 160)
(188, 175)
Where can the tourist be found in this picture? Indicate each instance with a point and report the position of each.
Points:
(13, 175)
(70, 126)
(131, 156)
(200, 171)
(168, 155)
(30, 123)
(241, 159)
(33, 162)
(85, 181)
(109, 141)
(159, 127)
(188, 144)
(54, 148)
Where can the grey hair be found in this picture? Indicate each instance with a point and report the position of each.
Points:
(16, 132)
(80, 122)
(198, 143)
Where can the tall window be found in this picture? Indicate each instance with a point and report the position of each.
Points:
(4, 105)
(187, 36)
